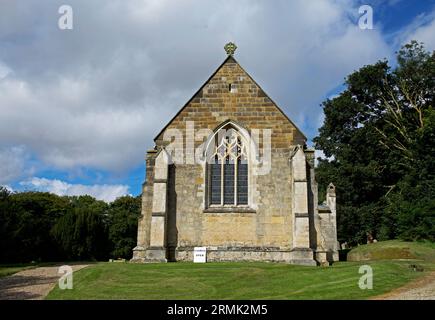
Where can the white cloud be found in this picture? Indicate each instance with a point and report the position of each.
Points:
(94, 97)
(12, 163)
(320, 154)
(425, 33)
(422, 29)
(4, 70)
(103, 192)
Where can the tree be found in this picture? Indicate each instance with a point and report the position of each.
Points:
(123, 218)
(82, 232)
(378, 135)
(41, 226)
(26, 219)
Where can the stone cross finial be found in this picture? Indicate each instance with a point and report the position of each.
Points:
(230, 48)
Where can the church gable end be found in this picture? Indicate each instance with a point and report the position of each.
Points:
(239, 197)
(231, 94)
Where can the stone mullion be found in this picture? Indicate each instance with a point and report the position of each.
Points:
(222, 182)
(235, 181)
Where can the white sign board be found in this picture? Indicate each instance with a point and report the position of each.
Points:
(200, 254)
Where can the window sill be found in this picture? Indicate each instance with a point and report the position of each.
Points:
(229, 209)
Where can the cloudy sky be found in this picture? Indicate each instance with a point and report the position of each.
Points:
(79, 108)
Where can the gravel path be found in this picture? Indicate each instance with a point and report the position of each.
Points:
(421, 289)
(31, 284)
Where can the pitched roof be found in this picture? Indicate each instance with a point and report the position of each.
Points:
(230, 58)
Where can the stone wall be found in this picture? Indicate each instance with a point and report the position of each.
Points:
(269, 225)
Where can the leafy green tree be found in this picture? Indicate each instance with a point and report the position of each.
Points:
(379, 138)
(82, 232)
(123, 218)
(26, 219)
(7, 222)
(41, 226)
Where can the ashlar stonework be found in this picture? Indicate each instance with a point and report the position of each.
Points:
(228, 207)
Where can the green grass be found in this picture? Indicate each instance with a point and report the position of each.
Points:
(239, 280)
(422, 252)
(231, 281)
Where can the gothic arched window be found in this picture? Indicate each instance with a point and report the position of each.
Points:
(228, 169)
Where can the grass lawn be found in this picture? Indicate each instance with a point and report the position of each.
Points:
(231, 281)
(239, 280)
(422, 252)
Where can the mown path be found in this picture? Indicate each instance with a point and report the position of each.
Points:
(31, 284)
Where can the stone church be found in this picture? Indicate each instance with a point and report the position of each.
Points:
(232, 173)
